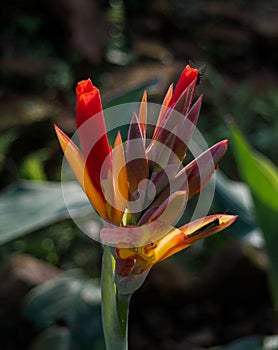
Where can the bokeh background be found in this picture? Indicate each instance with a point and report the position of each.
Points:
(210, 295)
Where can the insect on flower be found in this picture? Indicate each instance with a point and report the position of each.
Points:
(119, 180)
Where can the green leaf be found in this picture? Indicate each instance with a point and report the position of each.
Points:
(29, 205)
(73, 301)
(129, 95)
(246, 343)
(262, 178)
(235, 197)
(253, 342)
(6, 139)
(32, 166)
(270, 342)
(54, 338)
(61, 299)
(259, 172)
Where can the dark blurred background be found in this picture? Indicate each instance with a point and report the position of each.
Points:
(210, 295)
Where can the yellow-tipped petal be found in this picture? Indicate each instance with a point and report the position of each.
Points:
(120, 169)
(77, 164)
(190, 233)
(143, 114)
(170, 210)
(120, 184)
(164, 106)
(107, 189)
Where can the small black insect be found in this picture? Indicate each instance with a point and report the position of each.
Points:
(201, 73)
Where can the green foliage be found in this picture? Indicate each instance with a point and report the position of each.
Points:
(61, 244)
(235, 197)
(32, 167)
(28, 206)
(5, 141)
(254, 110)
(73, 302)
(246, 343)
(260, 174)
(130, 95)
(251, 343)
(125, 96)
(55, 338)
(262, 178)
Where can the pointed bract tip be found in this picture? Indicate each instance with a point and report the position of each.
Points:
(59, 132)
(221, 145)
(144, 98)
(134, 119)
(56, 127)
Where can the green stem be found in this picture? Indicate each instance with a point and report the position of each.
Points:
(123, 311)
(115, 306)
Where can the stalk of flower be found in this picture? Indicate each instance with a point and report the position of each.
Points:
(140, 227)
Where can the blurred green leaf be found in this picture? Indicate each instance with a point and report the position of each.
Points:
(129, 95)
(125, 96)
(270, 342)
(235, 197)
(246, 343)
(28, 205)
(32, 167)
(72, 301)
(260, 173)
(262, 178)
(54, 338)
(5, 140)
(251, 343)
(63, 299)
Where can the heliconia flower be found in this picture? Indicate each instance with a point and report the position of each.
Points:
(118, 181)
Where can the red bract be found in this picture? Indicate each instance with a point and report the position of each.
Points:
(91, 129)
(188, 76)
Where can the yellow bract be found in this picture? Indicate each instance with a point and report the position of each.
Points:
(176, 240)
(77, 164)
